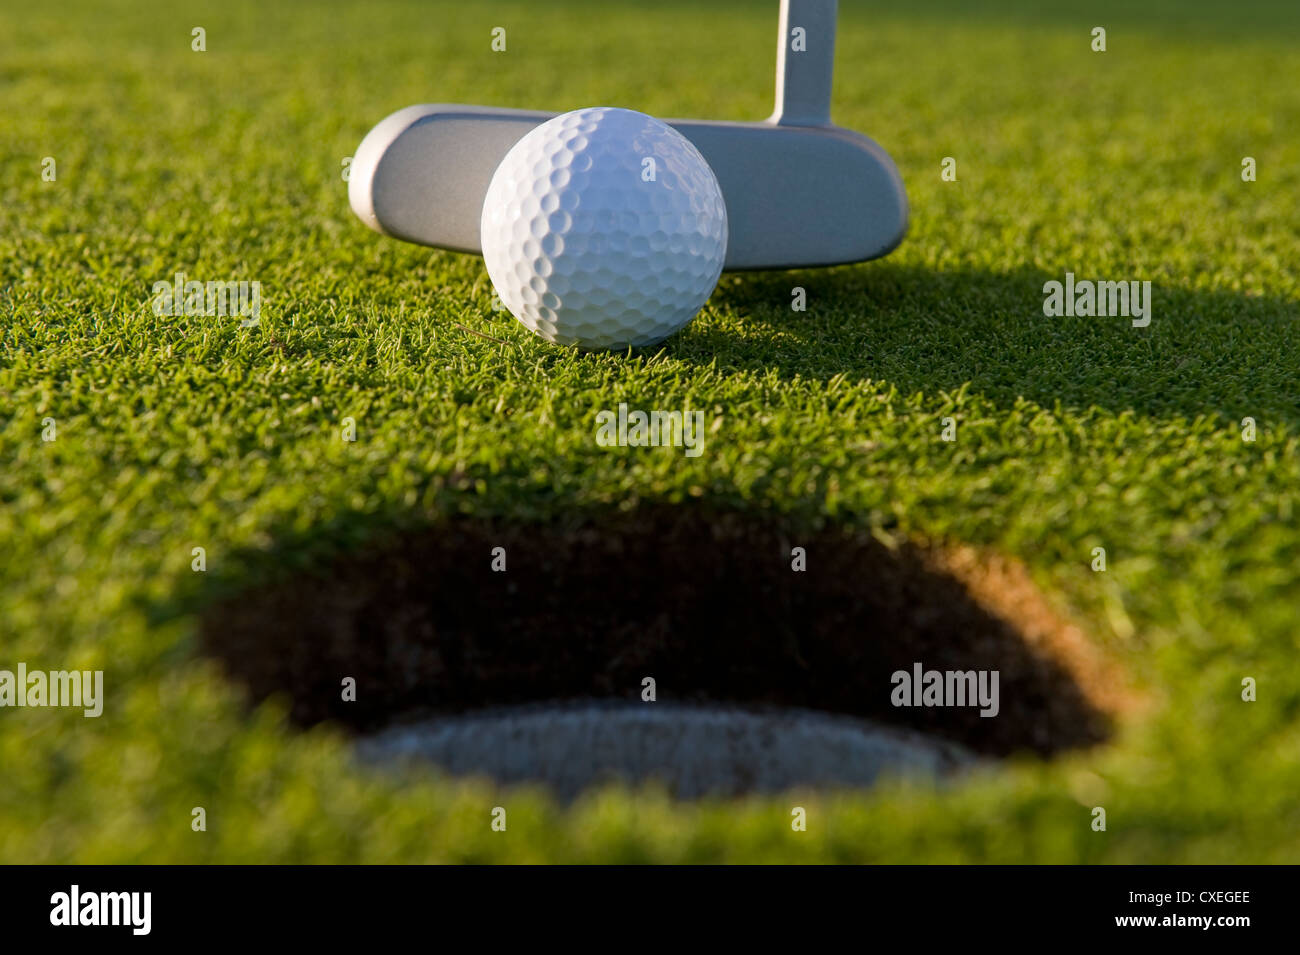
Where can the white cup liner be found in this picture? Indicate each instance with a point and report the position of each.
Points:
(691, 750)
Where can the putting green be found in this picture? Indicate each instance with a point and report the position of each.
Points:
(128, 439)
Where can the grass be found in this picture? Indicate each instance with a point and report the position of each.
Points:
(1073, 433)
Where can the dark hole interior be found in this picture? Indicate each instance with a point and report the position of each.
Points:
(706, 603)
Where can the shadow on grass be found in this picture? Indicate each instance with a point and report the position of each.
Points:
(1214, 353)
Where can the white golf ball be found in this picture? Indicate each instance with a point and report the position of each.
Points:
(604, 228)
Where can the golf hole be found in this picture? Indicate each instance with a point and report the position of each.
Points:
(765, 678)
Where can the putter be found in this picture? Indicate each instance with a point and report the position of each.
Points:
(800, 191)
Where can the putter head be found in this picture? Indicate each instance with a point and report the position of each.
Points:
(800, 191)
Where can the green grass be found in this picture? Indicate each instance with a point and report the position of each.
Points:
(1073, 433)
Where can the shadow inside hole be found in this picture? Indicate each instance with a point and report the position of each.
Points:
(705, 602)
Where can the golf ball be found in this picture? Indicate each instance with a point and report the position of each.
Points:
(604, 228)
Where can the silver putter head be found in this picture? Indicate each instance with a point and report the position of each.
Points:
(800, 191)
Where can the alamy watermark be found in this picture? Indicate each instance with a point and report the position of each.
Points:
(922, 687)
(1101, 299)
(131, 910)
(73, 688)
(181, 297)
(658, 429)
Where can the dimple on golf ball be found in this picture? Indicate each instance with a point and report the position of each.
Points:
(604, 228)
